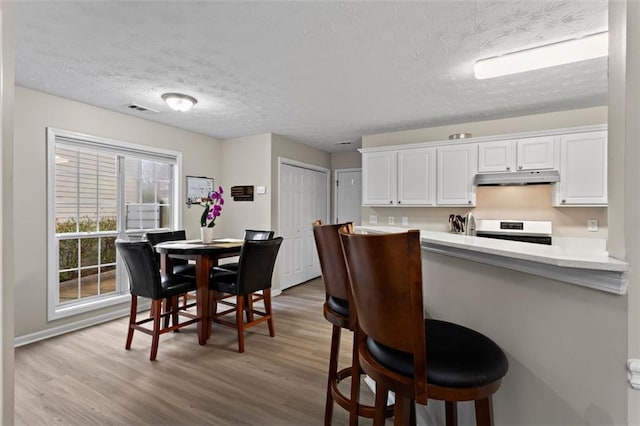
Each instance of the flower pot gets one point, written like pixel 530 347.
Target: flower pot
pixel 206 234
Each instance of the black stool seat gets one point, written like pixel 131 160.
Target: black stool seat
pixel 457 356
pixel 339 306
pixel 173 285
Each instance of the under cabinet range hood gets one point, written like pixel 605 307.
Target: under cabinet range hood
pixel 529 177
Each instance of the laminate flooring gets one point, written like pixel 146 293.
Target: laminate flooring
pixel 88 378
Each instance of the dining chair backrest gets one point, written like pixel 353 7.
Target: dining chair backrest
pixel 253 234
pixel 142 267
pixel 385 275
pixel 164 236
pixel 332 264
pixel 257 260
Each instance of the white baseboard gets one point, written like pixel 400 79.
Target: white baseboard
pixel 73 326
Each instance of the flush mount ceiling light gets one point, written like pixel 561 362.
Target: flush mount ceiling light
pixel 564 52
pixel 179 101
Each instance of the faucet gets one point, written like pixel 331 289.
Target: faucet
pixel 470 224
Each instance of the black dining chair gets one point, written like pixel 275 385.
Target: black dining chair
pixel 249 235
pixel 145 280
pixel 257 260
pixel 417 359
pixel 180 266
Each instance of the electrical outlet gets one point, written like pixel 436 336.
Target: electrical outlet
pixel 373 219
pixel 592 225
pixel 392 221
pixel 405 221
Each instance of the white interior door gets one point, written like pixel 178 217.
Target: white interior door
pixel 303 199
pixel 348 196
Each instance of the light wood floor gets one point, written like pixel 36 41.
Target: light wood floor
pixel 88 378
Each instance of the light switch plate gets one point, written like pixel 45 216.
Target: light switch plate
pixel 592 225
pixel 392 220
pixel 405 221
pixel 261 190
pixel 373 219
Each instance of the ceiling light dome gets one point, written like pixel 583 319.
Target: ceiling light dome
pixel 179 101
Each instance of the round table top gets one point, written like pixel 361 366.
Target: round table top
pixel 195 247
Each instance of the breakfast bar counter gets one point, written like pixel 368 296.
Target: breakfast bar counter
pixel 573 260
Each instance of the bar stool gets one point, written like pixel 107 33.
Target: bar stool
pixel 416 358
pixel 336 311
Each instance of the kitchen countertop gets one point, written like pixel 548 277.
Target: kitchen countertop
pixel 564 261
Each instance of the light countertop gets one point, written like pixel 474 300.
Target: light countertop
pixel 580 261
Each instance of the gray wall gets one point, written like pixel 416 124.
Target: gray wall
pixel 34 112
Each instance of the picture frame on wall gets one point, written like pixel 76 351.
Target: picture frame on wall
pixel 198 187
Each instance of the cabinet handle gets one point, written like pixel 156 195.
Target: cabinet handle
pixel 564 201
pixel 390 202
pixel 399 202
pixel 519 167
pixel 469 202
pixel 508 168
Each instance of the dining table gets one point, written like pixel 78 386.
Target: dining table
pixel 206 256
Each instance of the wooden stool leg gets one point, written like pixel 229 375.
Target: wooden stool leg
pixel 451 409
pixel 156 311
pixel 174 312
pixel 333 373
pixel 380 404
pixel 132 320
pixel 249 307
pixel 355 382
pixel 484 412
pixel 402 411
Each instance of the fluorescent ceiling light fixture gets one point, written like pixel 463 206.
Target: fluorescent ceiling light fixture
pixel 564 52
pixel 179 102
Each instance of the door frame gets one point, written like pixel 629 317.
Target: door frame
pixel 335 189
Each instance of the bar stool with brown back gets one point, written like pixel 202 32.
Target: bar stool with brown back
pixel 145 280
pixel 402 352
pixel 257 260
pixel 336 311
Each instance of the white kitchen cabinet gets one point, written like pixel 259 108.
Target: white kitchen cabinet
pixel 379 178
pixel 404 177
pixel 583 170
pixel 417 177
pixel 516 155
pixel 457 167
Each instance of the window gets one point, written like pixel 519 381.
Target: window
pixel 101 190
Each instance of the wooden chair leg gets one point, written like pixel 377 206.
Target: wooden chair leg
pixel 380 404
pixel 166 308
pixel 239 322
pixel 355 380
pixel 174 312
pixel 249 307
pixel 484 412
pixel 451 410
pixel 156 311
pixel 132 320
pixel 266 293
pixel 333 373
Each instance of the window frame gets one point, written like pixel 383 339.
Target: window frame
pixel 54 309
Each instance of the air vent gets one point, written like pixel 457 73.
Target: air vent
pixel 343 143
pixel 140 108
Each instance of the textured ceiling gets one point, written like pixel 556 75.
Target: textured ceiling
pixel 315 72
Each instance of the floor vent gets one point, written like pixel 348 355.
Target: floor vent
pixel 140 108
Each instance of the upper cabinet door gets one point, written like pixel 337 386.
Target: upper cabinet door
pixel 583 170
pixel 417 177
pixel 379 178
pixel 457 167
pixel 499 156
pixel 536 153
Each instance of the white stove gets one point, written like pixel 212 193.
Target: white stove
pixel 529 231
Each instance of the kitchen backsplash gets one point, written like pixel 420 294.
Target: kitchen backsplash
pixel 532 202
